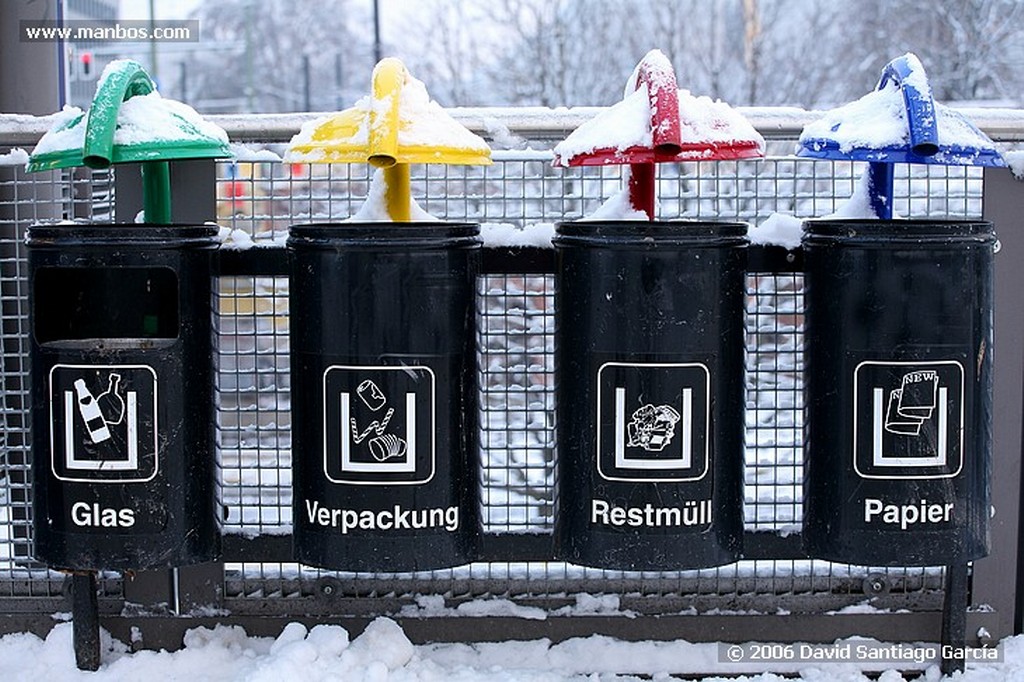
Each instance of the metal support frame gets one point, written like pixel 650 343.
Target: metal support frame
pixel 993 581
pixel 85 612
pixel 155 601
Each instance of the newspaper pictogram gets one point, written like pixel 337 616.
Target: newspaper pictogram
pixel 914 402
pixel 908 419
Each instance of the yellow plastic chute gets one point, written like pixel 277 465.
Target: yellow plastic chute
pixel 385 117
pixel 395 126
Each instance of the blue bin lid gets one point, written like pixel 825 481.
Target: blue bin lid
pixel 899 122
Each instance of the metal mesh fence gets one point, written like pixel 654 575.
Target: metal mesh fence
pixel 26 199
pixel 259 198
pixel 516 356
pixel 253 417
pixel 516 361
pixel 774 471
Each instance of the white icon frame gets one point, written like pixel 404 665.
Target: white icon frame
pixel 653 464
pixel 71 461
pixel 369 468
pixel 940 458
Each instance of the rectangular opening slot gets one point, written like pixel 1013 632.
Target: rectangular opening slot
pixel 71 304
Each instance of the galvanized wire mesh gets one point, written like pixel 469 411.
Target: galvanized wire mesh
pixel 774 467
pixel 516 361
pixel 516 346
pixel 26 199
pixel 254 418
pixel 260 198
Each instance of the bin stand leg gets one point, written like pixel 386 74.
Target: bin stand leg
pixel 954 615
pixel 85 620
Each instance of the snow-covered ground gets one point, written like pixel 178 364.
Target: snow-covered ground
pixel 384 653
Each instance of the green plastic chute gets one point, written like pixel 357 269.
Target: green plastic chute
pixel 129 122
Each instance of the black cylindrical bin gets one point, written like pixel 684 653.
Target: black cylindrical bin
pixel 122 395
pixel 899 390
pixel 650 377
pixel 384 434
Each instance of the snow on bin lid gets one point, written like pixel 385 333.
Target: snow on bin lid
pixel 657 123
pixel 397 123
pixel 899 122
pixel 147 127
pixel 886 125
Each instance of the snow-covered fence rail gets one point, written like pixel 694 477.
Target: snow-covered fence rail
pixel 517 587
pixel 1003 125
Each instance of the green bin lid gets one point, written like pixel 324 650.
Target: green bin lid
pixel 128 122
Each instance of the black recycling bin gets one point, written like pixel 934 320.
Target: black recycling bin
pixel 122 395
pixel 384 433
pixel 650 377
pixel 899 390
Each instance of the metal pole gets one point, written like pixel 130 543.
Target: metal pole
pixel 85 625
pixel 153 70
pixel 183 79
pixel 306 94
pixel 954 616
pixel 377 55
pixel 991 580
pixel 29 70
pixel 30 83
pixel 248 59
pixel 64 87
pixel 339 81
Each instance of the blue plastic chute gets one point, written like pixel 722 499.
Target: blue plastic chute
pixel 899 122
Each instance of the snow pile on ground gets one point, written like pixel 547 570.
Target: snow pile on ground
pixel 384 653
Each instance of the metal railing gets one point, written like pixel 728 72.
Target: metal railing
pixel 776 591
